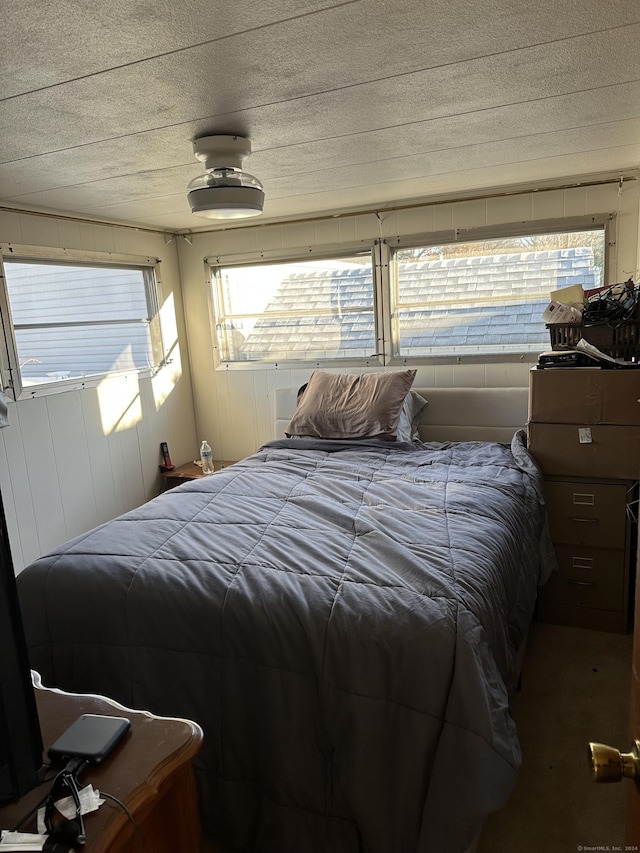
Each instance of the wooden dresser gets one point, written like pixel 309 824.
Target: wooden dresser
pixel 150 772
pixel 584 432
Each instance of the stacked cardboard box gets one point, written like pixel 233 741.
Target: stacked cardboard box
pixel 585 422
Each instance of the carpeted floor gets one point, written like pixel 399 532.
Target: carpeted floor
pixel 575 689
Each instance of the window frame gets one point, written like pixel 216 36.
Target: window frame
pixel 212 264
pixel 606 221
pixel 382 250
pixel 10 374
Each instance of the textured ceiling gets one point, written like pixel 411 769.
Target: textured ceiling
pixel 348 103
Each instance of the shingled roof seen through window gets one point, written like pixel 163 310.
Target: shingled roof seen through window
pixel 482 304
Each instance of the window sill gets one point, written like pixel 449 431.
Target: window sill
pixel 29 392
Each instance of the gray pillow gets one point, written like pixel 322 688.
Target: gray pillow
pixel 346 406
pixel 407 425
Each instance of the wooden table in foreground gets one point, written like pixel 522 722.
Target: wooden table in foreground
pixel 150 771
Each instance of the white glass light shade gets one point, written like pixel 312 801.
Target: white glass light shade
pixel 226 193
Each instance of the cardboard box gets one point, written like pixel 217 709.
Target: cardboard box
pixel 584 395
pixel 576 450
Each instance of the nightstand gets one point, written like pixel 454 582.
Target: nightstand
pixel 150 772
pixel 188 471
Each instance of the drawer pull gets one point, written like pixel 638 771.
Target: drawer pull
pixel 582 562
pixel 574 582
pixel 584 520
pixel 584 499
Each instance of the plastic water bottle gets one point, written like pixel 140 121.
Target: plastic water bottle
pixel 206 455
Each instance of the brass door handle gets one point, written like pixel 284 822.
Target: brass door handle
pixel 610 765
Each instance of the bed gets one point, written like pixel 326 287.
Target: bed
pixel 344 619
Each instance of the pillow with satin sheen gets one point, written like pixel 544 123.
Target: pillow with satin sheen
pixel 407 425
pixel 345 406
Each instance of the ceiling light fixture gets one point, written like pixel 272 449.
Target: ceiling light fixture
pixel 225 191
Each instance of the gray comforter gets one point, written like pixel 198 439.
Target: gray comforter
pixel 341 619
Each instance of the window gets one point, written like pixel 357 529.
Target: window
pixel 74 320
pixel 477 295
pixel 486 297
pixel 296 311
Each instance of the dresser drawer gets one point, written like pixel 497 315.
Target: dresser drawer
pixel 587 577
pixel 591 514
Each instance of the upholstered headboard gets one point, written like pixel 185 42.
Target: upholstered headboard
pixel 452 414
